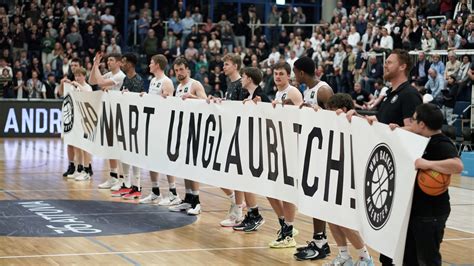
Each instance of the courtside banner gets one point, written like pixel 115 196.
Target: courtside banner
pixel 352 174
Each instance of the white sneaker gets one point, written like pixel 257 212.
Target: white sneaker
pixel 117 186
pixel 73 175
pixel 180 207
pixel 109 183
pixel 365 262
pixel 234 217
pixel 194 211
pixel 171 200
pixel 151 198
pixel 83 176
pixel 341 261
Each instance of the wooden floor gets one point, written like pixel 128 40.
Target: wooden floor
pixel 31 169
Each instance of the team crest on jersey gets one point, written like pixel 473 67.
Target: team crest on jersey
pixel 312 94
pixel 379 186
pixel 68 114
pixel 186 89
pixel 394 99
pixel 158 84
pixel 283 97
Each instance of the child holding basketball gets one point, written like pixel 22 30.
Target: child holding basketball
pixel 430 207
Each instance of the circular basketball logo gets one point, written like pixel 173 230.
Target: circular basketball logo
pixel 379 186
pixel 68 114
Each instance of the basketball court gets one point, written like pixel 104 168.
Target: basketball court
pixel 131 234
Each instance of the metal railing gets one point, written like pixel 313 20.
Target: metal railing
pixel 443 54
pixel 252 27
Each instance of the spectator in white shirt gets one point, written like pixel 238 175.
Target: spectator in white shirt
pixel 108 20
pixel 354 37
pixel 113 47
pixel 386 42
pixel 274 56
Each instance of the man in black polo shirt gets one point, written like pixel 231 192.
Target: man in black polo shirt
pixel 401 101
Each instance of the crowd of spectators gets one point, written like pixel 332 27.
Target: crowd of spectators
pixel 38 42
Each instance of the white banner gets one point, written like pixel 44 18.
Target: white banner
pixel 351 174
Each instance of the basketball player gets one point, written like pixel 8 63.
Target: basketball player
pixel 112 80
pixel 317 94
pixel 133 82
pixel 188 88
pixel 285 211
pixel 83 158
pixel 251 77
pixel 429 213
pixel 163 86
pixel 75 63
pixel 400 103
pixel 232 64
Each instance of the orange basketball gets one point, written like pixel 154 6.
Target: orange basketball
pixel 432 182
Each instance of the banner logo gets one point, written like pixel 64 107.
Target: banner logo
pixel 68 114
pixel 379 187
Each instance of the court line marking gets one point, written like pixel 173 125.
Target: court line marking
pixel 461 230
pixel 132 252
pixel 96 241
pixel 159 251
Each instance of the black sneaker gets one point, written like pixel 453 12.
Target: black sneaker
pixel 243 224
pixel 70 170
pixel 319 236
pixel 254 223
pixel 312 252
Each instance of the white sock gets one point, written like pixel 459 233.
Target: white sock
pixel 172 185
pixel 137 182
pixel 189 191
pixel 232 198
pixel 195 192
pixel 344 252
pixel 364 253
pixel 288 223
pixel 154 184
pixel 125 180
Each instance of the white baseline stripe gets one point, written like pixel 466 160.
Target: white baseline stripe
pixel 129 252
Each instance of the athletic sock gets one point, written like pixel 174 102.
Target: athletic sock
pixel 113 173
pixel 87 169
pixel 172 185
pixel 254 210
pixel 364 253
pixel 320 239
pixel 281 220
pixel 344 252
pixel 232 198
pixel 173 191
pixel 155 184
pixel 156 190
pixel 189 191
pixel 195 192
